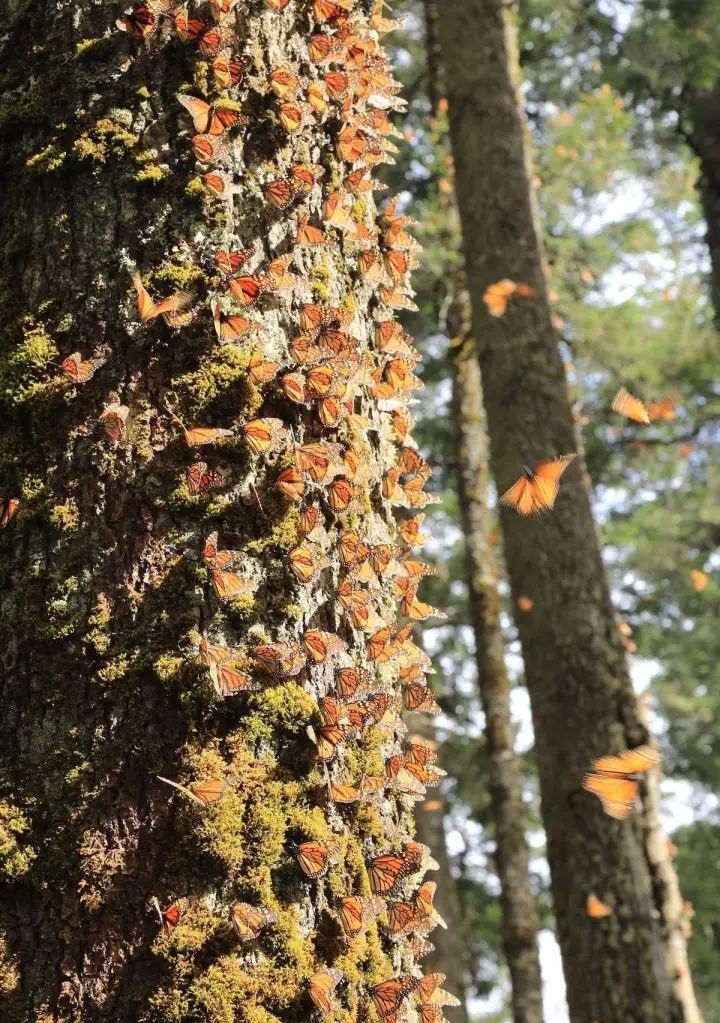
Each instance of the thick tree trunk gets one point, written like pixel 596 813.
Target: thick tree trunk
pixel 105 569
pixel 703 136
pixel 519 909
pixel 582 700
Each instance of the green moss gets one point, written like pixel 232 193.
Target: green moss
pixel 177 275
pixel 63 609
pixel 143 92
pixel 195 187
pixel 9 973
pixel 15 859
pixel 222 374
pixel 106 137
pixel 288 707
pixel 168 666
pixel 66 516
pixel 20 375
pixel 85 45
pixel 152 172
pixel 294 610
pixel 282 537
pixel 49 159
pixel 200 77
pixel 98 621
pixel 243 610
pixel 115 668
pixel 33 488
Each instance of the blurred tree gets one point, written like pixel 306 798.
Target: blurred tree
pixel 575 670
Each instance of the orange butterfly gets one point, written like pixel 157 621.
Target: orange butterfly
pixel 8 508
pixel 537 489
pixel 308 235
pixel 356 913
pixel 207 119
pixel 169 308
pixel 316 857
pixel 199 478
pixel 248 921
pixel 429 991
pixel 113 420
pixel 277 5
pixel 221 8
pixel 321 985
pixel 291 483
pixel 307 561
pixel 281 660
pixel 388 996
pixel 613 779
pixel 141 19
pixel 261 372
pixel 419 698
pixel 596 909
pixel 79 371
pixel 665 410
pixel 214 654
pixel 350 682
pixel 229 328
pixel 228 585
pixel 627 405
pixel 387 872
pixel 171 917
pixel 321 645
pixel 263 435
pixel 203 792
pixel 228 680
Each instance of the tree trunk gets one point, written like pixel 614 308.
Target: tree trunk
pixel 106 567
pixel 519 909
pixel 582 700
pixel 703 136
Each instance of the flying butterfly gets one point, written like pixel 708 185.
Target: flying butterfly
pixel 628 405
pixel 595 908
pixel 171 309
pixel 614 779
pixel 537 488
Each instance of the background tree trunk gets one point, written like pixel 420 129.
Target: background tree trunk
pixel 582 700
pixel 105 599
pixel 520 918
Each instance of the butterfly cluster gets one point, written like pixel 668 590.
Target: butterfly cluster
pixel 331 438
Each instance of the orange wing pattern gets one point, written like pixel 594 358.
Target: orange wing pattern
pixel 613 779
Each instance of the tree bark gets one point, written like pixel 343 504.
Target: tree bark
pixel 519 908
pixel 582 700
pixel 105 568
pixel 703 136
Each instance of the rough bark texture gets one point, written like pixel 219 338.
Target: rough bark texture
pixel 104 594
pixel 519 908
pixel 582 700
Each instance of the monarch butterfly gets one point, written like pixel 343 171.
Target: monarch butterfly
pixel 277 5
pixel 386 872
pixel 262 435
pixel 189 29
pixel 388 996
pixel 525 604
pixel 327 738
pixel 419 698
pixel 284 83
pixel 327 10
pixel 171 917
pixel 423 903
pixel 248 921
pixel 322 984
pixel 280 193
pixel 212 654
pixel 228 680
pixel 232 262
pixel 113 420
pixel 291 483
pixel 203 792
pixel 595 908
pixel 665 410
pixel 341 793
pixel 321 645
pixel 421 751
pixel 141 19
pixel 281 661
pixel 228 585
pixel 699 579
pixel 215 558
pixel 169 308
pixel 355 913
pixel 351 682
pixel 352 550
pixel 316 857
pixel 306 562
pixel 199 435
pixel 308 235
pixel 311 519
pixel 8 508
pixel 221 8
pixel 229 328
pixel 79 371
pixel 216 184
pixel 401 917
pixel 261 372
pixel 429 991
pixel 207 119
pixel 317 460
pixel 628 405
pixel 199 478
pixel 537 489
pixel 410 531
pixel 613 779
